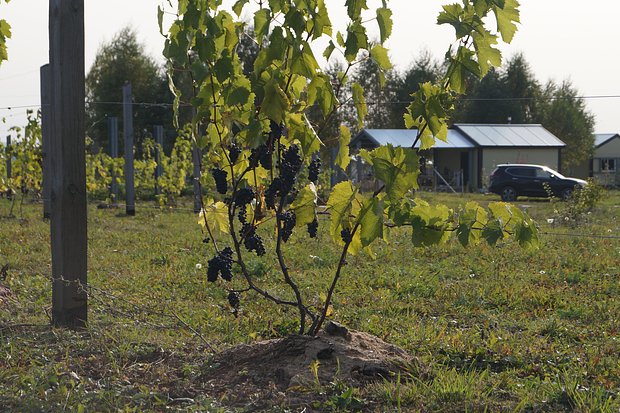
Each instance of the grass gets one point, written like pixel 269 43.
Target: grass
pixel 498 329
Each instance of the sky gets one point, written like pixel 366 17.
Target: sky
pixel 561 39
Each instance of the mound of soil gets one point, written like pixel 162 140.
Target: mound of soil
pixel 278 372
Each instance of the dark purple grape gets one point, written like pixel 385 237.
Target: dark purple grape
pixel 345 234
pixel 220 265
pixel 288 220
pixel 314 169
pixel 221 184
pixel 312 228
pixel 233 152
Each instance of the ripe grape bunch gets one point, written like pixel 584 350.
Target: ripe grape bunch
pixel 251 240
pixel 288 219
pixel 233 301
pixel 220 265
pixel 345 234
pixel 243 197
pixel 312 228
pixel 314 169
pixel 233 152
pixel 221 184
pixel 290 166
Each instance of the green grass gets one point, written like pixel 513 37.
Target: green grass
pixel 497 329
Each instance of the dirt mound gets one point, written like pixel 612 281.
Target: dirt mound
pixel 278 372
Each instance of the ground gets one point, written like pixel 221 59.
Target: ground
pixel 495 329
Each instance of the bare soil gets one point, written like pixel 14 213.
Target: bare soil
pixel 278 372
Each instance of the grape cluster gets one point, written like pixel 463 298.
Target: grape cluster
pixel 233 300
pixel 288 219
pixel 263 155
pixel 251 240
pixel 221 265
pixel 313 170
pixel 233 152
pixel 221 184
pixel 282 185
pixel 345 234
pixel 277 130
pixel 312 228
pixel 243 197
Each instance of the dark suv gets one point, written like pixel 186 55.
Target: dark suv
pixel 513 180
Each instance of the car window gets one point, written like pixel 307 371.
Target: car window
pixel 541 173
pixel 521 171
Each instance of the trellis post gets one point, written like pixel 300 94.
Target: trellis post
pixel 130 195
pixel 67 155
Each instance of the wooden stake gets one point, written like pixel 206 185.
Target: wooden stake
pixel 67 155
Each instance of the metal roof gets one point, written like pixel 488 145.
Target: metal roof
pixel 602 138
pixel 508 135
pixel 406 137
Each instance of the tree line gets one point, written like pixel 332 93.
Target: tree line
pixel 509 94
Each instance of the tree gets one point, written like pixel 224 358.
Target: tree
pixel 380 89
pixel 564 114
pixel 508 95
pixel 119 61
pixel 262 146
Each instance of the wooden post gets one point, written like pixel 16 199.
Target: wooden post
pixel 68 191
pixel 113 138
pixel 9 166
pixel 46 140
pixel 130 195
pixel 158 132
pixel 196 154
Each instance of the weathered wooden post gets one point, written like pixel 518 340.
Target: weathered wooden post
pixel 67 154
pixel 196 155
pixel 158 132
pixel 46 140
pixel 130 195
pixel 9 165
pixel 113 138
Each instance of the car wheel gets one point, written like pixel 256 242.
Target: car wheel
pixel 566 193
pixel 508 194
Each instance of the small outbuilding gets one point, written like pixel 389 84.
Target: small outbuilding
pixel 472 151
pixel 606 159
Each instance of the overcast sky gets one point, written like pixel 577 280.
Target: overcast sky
pixel 561 39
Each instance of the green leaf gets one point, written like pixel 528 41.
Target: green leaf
pixel 320 89
pixel 507 16
pixel 354 8
pixel 430 224
pixel 359 101
pixel 471 220
pixel 300 129
pixel 322 23
pixel 379 55
pixel 343 159
pixel 384 19
pixel 329 50
pixel 216 214
pixel 262 19
pixel 463 64
pixel 371 221
pixel 304 63
pixel 276 103
pixel 398 168
pixel 356 40
pixel 305 205
pixel 487 54
pixel 223 67
pixel 160 19
pixel 238 6
pixel 340 205
pixel 493 232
